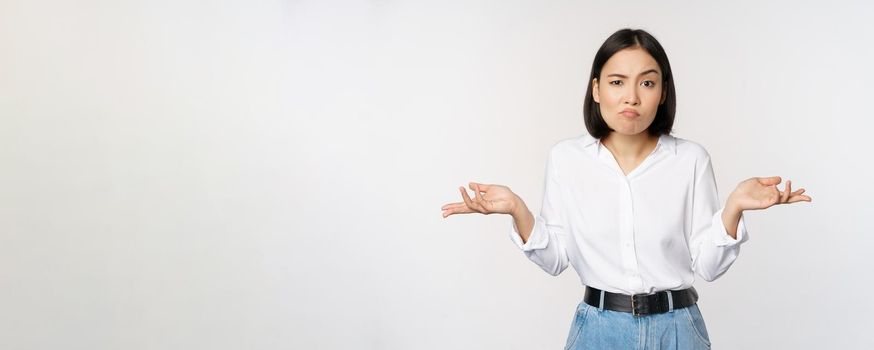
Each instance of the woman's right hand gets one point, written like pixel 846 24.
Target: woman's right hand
pixel 488 199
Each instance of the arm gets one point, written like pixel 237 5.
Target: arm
pixel 717 232
pixel 715 248
pixel 542 237
pixel 731 218
pixel 523 219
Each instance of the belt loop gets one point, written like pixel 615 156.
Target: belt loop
pixel 601 302
pixel 670 302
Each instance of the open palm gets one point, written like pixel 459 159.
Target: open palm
pixel 761 193
pixel 488 199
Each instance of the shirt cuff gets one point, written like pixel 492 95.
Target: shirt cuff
pixel 537 240
pixel 722 238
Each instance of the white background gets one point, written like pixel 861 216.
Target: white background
pixel 269 175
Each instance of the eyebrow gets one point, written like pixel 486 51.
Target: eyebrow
pixel 625 77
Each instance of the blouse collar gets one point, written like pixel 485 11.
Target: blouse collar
pixel 666 142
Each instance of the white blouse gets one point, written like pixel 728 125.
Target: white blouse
pixel 642 233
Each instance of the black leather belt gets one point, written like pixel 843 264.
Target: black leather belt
pixel 642 304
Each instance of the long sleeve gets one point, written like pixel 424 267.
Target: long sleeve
pixel 547 242
pixel 712 248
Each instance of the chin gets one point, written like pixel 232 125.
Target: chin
pixel 628 132
pixel 629 129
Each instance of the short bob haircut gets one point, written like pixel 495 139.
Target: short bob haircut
pixel 623 39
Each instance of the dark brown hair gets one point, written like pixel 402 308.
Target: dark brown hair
pixel 623 39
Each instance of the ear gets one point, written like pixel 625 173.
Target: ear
pixel 596 95
pixel 664 96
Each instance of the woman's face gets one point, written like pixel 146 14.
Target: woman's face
pixel 629 91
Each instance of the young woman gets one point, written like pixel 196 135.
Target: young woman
pixel 633 209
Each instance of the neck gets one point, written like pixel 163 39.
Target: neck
pixel 630 146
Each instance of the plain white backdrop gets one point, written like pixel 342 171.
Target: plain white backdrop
pixel 269 174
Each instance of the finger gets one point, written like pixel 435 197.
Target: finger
pixel 479 189
pixel 448 212
pixel 483 190
pixel 774 195
pixel 768 181
pixel 785 197
pixel 800 199
pixel 465 197
pixel 472 186
pixel 797 192
pixel 477 197
pixel 449 205
pixel 482 187
pixel 470 203
pixel 476 194
pixel 481 200
pixel 453 206
pixel 461 209
pixel 457 210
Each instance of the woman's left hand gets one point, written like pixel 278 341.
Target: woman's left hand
pixel 761 193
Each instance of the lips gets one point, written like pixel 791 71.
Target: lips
pixel 628 112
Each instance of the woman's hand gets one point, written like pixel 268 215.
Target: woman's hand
pixel 488 199
pixel 761 193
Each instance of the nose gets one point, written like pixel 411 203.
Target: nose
pixel 632 98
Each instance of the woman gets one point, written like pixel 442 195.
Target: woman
pixel 633 209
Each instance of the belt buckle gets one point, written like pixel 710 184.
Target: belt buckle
pixel 634 306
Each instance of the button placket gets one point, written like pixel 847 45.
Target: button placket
pixel 626 228
pixel 626 217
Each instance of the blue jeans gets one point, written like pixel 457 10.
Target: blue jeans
pixel 679 329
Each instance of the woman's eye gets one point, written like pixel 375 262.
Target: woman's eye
pixel 616 82
pixel 650 83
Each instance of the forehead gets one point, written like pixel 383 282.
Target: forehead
pixel 630 61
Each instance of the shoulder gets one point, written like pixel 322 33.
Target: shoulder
pixel 570 147
pixel 696 156
pixel 566 144
pixel 573 144
pixel 691 149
